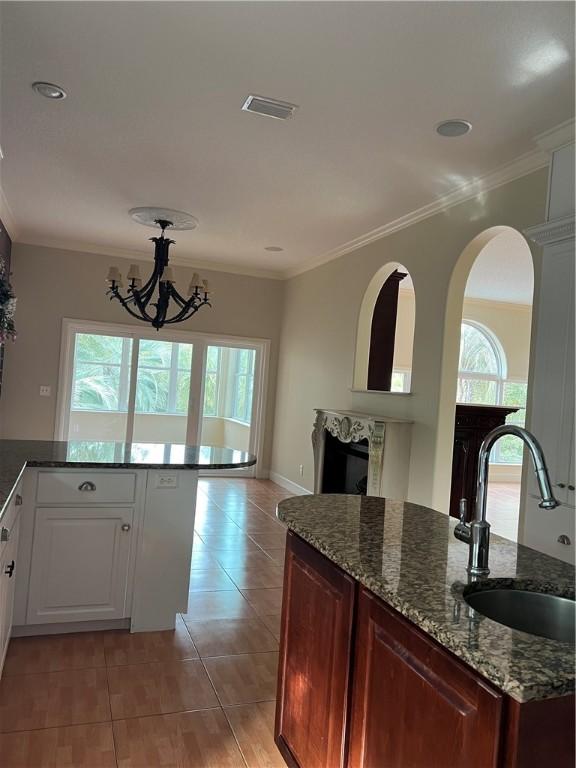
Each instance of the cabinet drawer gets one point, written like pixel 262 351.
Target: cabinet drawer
pixel 86 487
pixel 10 519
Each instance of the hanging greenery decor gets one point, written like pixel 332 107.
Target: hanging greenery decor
pixel 7 307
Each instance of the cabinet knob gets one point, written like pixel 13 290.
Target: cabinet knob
pixel 10 569
pixel 87 485
pixel 18 500
pixel 4 534
pixel 561 485
pixel 571 487
pixel 563 539
pixel 125 527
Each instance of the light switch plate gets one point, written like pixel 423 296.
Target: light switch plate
pixel 167 480
pixel 45 390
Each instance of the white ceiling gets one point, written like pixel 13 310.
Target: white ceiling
pixel 153 116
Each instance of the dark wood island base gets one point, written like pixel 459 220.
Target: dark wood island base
pixel 360 686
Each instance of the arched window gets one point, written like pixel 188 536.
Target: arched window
pixel 482 380
pixel 482 367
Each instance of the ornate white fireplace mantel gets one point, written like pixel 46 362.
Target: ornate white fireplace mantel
pixel 388 448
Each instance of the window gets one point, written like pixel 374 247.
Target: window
pixel 243 384
pixel 101 372
pixel 482 380
pixel 229 383
pixel 400 381
pixel 163 384
pixel 212 380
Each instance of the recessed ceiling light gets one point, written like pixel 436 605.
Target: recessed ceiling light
pixel 149 217
pixel 452 128
pixel 273 248
pixel 261 105
pixel 49 90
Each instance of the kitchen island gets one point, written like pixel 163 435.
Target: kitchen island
pixel 384 663
pixel 98 535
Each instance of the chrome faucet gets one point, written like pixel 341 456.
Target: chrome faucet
pixel 477 533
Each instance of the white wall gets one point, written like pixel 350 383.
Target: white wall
pixel 319 334
pixel 52 284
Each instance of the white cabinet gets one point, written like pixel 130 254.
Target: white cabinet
pixel 80 564
pixel 552 398
pixel 8 570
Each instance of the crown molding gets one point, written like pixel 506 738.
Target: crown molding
pixel 556 137
pixel 554 231
pixel 515 169
pixel 7 217
pixel 134 255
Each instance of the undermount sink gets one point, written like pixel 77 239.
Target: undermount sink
pixel 537 613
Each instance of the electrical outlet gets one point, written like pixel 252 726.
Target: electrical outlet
pixel 167 480
pixel 45 390
pixel 301 470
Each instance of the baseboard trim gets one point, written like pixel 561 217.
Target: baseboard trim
pixel 30 630
pixel 297 490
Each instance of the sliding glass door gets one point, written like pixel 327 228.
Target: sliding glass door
pixel 118 384
pixel 228 396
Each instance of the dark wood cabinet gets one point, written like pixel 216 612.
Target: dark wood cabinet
pixel 360 686
pixel 415 705
pixel 315 651
pixel 473 422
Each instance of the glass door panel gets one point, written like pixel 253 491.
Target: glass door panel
pixel 228 396
pixel 162 392
pixel 100 387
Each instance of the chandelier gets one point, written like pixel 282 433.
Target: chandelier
pixel 138 298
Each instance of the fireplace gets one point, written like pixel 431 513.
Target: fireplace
pixel 345 466
pixel 360 453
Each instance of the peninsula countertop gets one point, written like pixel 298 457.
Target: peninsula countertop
pixel 16 455
pixel 407 555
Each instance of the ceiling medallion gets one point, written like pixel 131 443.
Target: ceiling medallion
pixel 138 298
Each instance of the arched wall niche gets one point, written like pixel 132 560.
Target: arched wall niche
pixel 451 349
pixel 370 330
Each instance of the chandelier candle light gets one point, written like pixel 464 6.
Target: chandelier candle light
pixel 138 297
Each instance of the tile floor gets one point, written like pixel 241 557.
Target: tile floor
pixel 201 696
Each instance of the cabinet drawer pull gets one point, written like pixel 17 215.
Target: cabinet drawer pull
pixel 563 539
pixel 18 500
pixel 87 485
pixel 125 527
pixel 571 487
pixel 561 485
pixel 10 569
pixel 4 534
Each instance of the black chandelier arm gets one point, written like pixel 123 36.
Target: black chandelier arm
pixel 187 312
pixel 144 316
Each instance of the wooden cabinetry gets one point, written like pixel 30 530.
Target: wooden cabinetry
pixel 376 692
pixel 314 659
pixel 80 563
pixel 414 704
pixel 473 422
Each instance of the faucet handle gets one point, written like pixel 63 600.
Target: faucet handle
pixel 463 510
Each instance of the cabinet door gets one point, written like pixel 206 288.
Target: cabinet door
pixel 552 418
pixel 414 705
pixel 79 564
pixel 8 567
pixel 315 649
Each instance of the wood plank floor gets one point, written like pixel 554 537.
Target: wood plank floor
pixel 201 696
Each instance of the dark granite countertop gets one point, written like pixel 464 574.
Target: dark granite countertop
pixel 407 555
pixel 16 455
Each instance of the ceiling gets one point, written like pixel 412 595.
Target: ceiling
pixel 153 116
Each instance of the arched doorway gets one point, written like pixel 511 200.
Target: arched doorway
pixel 486 356
pixel 385 335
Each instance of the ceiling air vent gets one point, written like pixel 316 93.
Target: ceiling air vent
pixel 281 110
